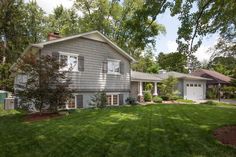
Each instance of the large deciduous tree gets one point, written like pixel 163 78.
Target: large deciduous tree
pixel 201 18
pixel 174 61
pixel 131 24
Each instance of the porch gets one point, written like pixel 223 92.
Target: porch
pixel 138 82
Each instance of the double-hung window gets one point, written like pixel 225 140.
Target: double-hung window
pixel 113 66
pixel 70 62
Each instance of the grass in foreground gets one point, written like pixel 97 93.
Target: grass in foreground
pixel 154 130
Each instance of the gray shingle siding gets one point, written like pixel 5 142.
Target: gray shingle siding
pixel 94 53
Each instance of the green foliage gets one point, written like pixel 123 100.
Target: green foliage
pixel 146 63
pixel 130 24
pixel 6 82
pixel 195 17
pixel 224 65
pixel 147 96
pixel 157 99
pixel 229 92
pixel 131 101
pixel 168 88
pixel 46 85
pixel 99 100
pixel 173 62
pixel 148 87
pixel 212 93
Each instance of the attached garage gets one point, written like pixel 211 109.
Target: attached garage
pixel 195 90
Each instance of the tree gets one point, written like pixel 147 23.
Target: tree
pixel 46 85
pixel 168 88
pixel 130 24
pixel 224 65
pixel 64 21
pixel 146 63
pixel 200 18
pixel 20 23
pixel 174 61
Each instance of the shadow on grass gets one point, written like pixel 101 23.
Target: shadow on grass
pixel 153 130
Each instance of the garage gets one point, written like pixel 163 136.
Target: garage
pixel 194 90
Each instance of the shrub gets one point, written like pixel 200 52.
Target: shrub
pixel 209 103
pixel 148 86
pixel 175 97
pixel 157 99
pixel 99 100
pixel 147 96
pixel 131 101
pixel 165 98
pixel 212 93
pixel 168 88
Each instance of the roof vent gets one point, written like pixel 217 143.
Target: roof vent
pixel 53 36
pixel 162 71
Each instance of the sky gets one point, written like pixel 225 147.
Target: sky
pixel 164 43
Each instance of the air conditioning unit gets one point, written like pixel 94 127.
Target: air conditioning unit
pixel 10 103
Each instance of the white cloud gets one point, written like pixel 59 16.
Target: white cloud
pixel 171 46
pixel 49 5
pixel 203 53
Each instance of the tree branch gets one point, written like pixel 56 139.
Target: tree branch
pixel 198 22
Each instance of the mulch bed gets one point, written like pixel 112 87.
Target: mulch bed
pixel 37 116
pixel 226 135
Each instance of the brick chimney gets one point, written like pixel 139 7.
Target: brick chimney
pixel 53 36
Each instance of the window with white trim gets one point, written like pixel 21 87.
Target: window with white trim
pixel 70 60
pixel 112 99
pixel 113 66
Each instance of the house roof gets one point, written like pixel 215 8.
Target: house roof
pixel 214 74
pixel 140 76
pixel 180 76
pixel 86 35
pixel 103 37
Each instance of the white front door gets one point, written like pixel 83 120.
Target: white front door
pixel 194 90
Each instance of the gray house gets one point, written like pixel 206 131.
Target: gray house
pixel 100 65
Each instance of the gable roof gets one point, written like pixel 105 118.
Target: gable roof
pixel 87 35
pixel 180 76
pixel 214 74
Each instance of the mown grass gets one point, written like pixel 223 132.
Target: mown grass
pixel 135 131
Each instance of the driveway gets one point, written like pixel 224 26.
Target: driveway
pixel 230 101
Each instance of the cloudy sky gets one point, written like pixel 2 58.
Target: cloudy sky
pixel 165 43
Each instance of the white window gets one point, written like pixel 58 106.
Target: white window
pixel 70 60
pixel 113 66
pixel 112 99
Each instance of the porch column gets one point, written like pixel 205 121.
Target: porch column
pixel 140 88
pixel 155 88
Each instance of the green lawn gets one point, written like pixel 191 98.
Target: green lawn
pixel 155 130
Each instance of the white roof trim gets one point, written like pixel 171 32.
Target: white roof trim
pixel 41 45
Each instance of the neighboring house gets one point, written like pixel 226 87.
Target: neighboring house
pixel 100 65
pixel 216 78
pixel 190 87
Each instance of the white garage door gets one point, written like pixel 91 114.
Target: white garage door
pixel 194 90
